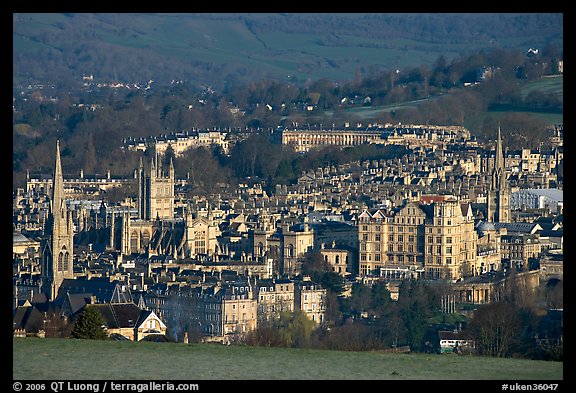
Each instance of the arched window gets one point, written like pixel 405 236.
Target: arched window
pixel 290 250
pixel 66 261
pixel 60 262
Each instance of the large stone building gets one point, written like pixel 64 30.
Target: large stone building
pixel 435 241
pixel 181 142
pixel 302 140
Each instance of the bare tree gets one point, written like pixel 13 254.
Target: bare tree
pixel 493 328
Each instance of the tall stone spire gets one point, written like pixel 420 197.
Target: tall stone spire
pixel 58 242
pixel 499 171
pixel 498 204
pixel 499 159
pixel 57 184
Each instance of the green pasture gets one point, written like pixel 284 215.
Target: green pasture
pixel 552 84
pixel 69 359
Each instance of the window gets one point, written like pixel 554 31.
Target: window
pixel 60 262
pixel 66 261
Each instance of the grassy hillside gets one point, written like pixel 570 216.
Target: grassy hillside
pixel 283 46
pixel 120 360
pixel 552 85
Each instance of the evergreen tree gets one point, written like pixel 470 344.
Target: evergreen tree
pixel 89 325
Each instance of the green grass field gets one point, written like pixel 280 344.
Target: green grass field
pixel 68 359
pixel 552 84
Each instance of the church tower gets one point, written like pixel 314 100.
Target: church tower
pixel 57 244
pixel 498 192
pixel 155 191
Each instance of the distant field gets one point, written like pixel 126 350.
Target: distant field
pixel 477 121
pixel 552 84
pixel 54 359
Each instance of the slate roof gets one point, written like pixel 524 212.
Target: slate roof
pixel 102 288
pixel 119 315
pixel 518 227
pixel 28 318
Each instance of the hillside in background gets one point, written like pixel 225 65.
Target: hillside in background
pixel 225 49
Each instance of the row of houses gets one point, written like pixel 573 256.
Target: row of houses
pixel 206 306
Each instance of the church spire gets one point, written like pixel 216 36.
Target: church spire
pixel 499 193
pixel 58 244
pixel 499 158
pixel 57 183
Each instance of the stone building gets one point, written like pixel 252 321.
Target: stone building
pixel 518 249
pixel 310 297
pixel 391 241
pixel 340 259
pixel 155 191
pixel 274 296
pixel 435 241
